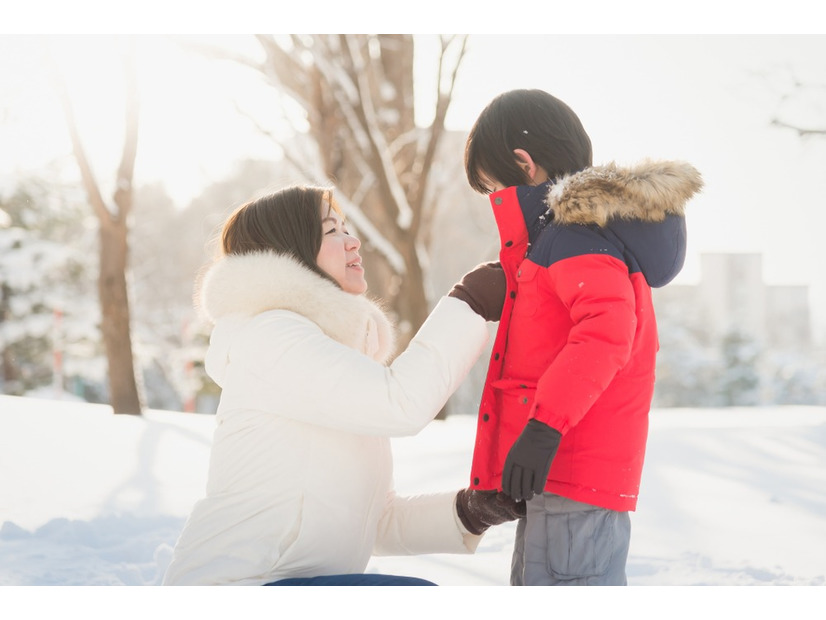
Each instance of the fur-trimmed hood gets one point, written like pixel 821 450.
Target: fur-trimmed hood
pixel 239 287
pixel 648 191
pixel 639 209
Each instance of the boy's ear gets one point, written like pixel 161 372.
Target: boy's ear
pixel 526 162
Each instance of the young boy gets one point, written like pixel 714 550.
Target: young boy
pixel 563 420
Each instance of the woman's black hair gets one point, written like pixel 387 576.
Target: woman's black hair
pixel 532 120
pixel 286 222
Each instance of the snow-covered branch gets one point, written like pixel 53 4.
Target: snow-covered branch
pixel 379 145
pixel 801 131
pixel 353 212
pixel 126 169
pixel 90 184
pixel 444 97
pixel 382 149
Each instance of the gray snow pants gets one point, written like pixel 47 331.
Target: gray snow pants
pixel 561 542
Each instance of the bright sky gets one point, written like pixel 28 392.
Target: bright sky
pixel 705 99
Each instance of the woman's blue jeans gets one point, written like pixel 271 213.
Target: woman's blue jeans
pixel 357 579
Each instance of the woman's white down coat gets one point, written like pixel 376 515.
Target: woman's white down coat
pixel 300 479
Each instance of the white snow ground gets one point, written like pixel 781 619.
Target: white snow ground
pixel 730 497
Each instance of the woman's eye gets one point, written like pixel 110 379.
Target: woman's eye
pixel 330 232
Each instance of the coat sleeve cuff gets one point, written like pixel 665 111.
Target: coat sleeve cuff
pixel 423 524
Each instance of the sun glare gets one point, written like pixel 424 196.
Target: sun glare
pixel 190 127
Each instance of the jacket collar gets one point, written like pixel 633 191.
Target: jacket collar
pixel 242 286
pixel 535 210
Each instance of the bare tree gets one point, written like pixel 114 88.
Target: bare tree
pixel 357 92
pixel 802 108
pixel 114 249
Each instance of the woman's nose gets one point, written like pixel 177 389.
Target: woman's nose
pixel 353 243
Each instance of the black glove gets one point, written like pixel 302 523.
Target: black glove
pixel 478 510
pixel 528 462
pixel 483 289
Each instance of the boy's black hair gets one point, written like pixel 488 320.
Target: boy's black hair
pixel 532 120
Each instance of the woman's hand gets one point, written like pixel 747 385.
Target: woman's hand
pixel 478 510
pixel 483 289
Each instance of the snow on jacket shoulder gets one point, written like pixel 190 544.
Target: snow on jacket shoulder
pixel 300 480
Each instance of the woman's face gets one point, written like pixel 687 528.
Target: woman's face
pixel 339 256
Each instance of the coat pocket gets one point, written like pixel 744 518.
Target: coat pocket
pixel 527 293
pixel 515 398
pixel 580 544
pixel 513 404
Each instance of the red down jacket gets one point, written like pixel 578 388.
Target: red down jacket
pixel 577 341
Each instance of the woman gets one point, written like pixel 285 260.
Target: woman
pixel 300 487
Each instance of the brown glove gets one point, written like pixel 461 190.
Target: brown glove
pixel 478 510
pixel 483 289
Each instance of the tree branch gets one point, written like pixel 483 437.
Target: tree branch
pixel 801 131
pixel 378 145
pixel 284 69
pixel 126 169
pixel 220 53
pixel 353 211
pixel 443 101
pixel 86 173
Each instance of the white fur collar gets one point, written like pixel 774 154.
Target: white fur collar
pixel 248 284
